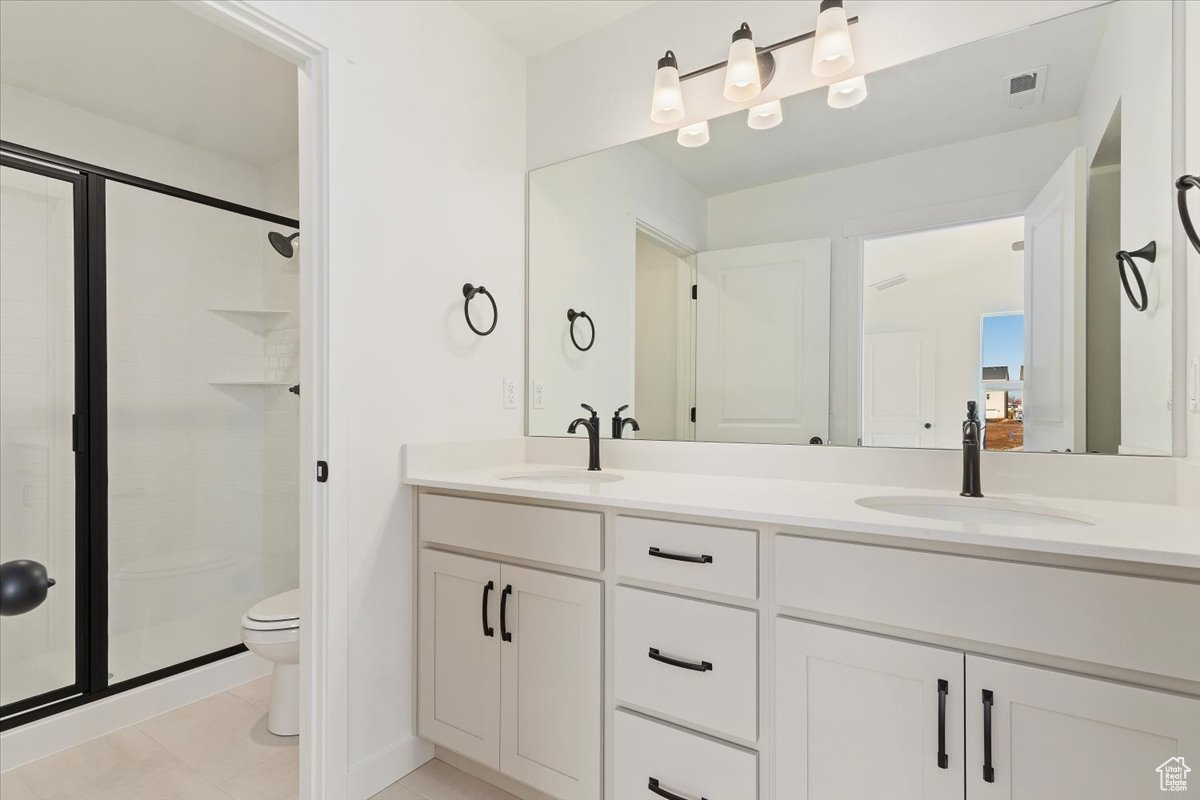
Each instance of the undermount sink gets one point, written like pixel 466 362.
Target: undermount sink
pixel 978 510
pixel 563 476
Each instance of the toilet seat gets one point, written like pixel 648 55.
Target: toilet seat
pixel 277 613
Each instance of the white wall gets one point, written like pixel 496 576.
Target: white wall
pixel 427 193
pixel 955 277
pixel 583 218
pixel 907 192
pixel 1134 67
pixel 656 359
pixel 594 92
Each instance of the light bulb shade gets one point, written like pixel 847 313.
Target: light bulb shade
pixel 666 105
pixel 847 93
pixel 694 135
pixel 832 52
pixel 767 115
pixel 742 81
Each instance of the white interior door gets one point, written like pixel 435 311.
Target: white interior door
pixel 551 683
pixel 860 716
pixel 899 382
pixel 1055 305
pixel 1055 735
pixel 459 670
pixel 762 343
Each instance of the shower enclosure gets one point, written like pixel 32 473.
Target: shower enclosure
pixel 148 438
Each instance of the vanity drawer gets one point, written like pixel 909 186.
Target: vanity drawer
pixel 1142 624
pixel 550 535
pixel 703 557
pixel 683 763
pixel 714 682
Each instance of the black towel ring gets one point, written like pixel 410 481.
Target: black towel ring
pixel 469 292
pixel 573 315
pixel 1125 259
pixel 1182 185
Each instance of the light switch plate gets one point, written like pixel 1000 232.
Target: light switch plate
pixel 510 393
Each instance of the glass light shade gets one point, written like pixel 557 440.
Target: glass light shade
pixel 767 115
pixel 832 52
pixel 742 81
pixel 667 104
pixel 694 135
pixel 847 93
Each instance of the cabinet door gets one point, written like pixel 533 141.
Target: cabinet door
pixel 1055 735
pixel 459 661
pixel 859 716
pixel 551 688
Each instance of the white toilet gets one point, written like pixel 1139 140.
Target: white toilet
pixel 272 630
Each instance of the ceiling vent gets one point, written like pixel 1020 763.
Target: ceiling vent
pixel 888 283
pixel 1026 89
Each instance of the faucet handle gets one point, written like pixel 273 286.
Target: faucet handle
pixel 588 408
pixel 971 412
pixel 619 410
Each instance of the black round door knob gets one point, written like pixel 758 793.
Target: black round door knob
pixel 928 425
pixel 23 586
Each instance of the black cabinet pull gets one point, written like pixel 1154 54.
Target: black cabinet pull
pixel 989 773
pixel 655 787
pixel 943 760
pixel 703 666
pixel 505 634
pixel 487 629
pixel 704 558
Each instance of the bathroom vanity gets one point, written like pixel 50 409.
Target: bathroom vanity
pixel 637 634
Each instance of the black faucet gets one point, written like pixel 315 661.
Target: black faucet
pixel 972 438
pixel 619 424
pixel 593 431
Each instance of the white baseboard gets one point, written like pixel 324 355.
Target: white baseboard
pixel 47 736
pixel 384 767
pixel 487 775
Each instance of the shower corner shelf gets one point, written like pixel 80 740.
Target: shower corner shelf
pixel 255 312
pixel 249 383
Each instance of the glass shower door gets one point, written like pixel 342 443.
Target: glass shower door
pixel 40 246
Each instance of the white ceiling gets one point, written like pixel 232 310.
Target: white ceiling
pixel 156 66
pixel 535 26
pixel 952 96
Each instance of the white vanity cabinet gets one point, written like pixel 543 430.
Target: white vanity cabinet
pixel 858 715
pixel 1053 734
pixel 510 670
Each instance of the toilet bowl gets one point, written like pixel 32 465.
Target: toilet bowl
pixel 271 629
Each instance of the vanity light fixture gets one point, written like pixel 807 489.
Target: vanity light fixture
pixel 694 135
pixel 832 52
pixel 764 116
pixel 847 93
pixel 667 104
pixel 742 79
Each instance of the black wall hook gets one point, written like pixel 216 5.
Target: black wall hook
pixel 573 315
pixel 1125 260
pixel 469 292
pixel 1182 185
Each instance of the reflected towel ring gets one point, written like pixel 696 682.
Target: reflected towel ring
pixel 1125 259
pixel 469 292
pixel 1182 185
pixel 573 315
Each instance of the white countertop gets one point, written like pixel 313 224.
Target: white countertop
pixel 1135 532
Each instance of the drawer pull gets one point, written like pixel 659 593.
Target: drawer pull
pixel 488 630
pixel 700 559
pixel 505 633
pixel 655 787
pixel 989 773
pixel 943 760
pixel 703 666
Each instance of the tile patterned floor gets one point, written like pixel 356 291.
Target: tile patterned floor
pixel 216 749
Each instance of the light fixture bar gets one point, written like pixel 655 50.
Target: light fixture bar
pixel 768 49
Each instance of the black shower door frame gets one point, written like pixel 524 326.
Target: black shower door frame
pixel 90 428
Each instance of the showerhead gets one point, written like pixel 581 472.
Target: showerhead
pixel 283 244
